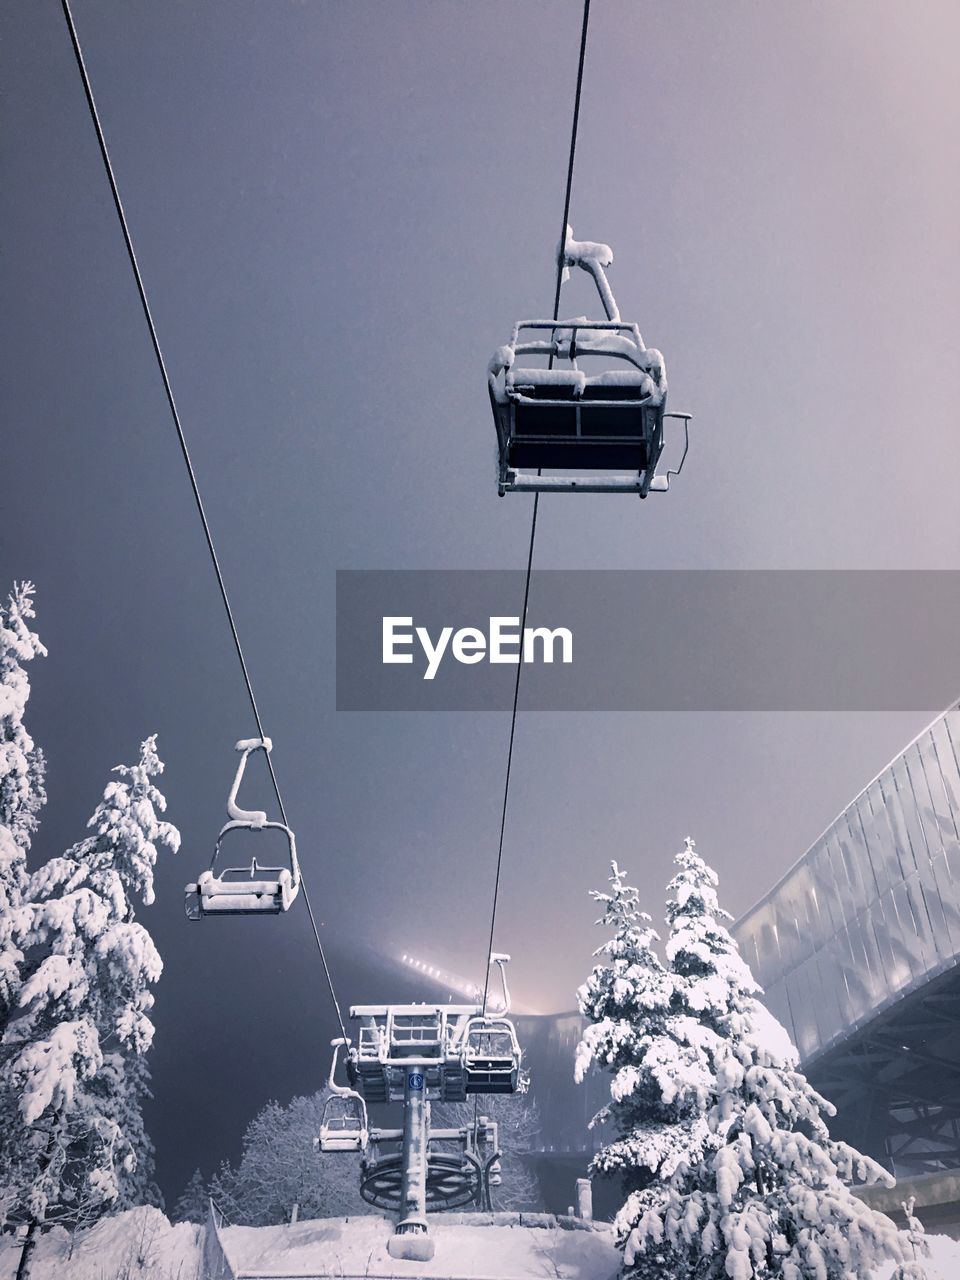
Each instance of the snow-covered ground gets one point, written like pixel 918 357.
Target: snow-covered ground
pixel 944 1262
pixel 358 1246
pixel 142 1245
pixel 131 1246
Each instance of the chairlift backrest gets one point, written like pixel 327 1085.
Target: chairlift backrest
pixel 491 1038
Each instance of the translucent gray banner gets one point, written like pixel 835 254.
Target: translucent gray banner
pixel 648 640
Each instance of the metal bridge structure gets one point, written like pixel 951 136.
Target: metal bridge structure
pixel 858 951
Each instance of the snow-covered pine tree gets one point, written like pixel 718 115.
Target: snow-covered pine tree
pixel 121 1088
pixel 21 777
pixel 192 1204
pixel 657 1053
pixel 82 1010
pixel 769 1196
pixel 221 1191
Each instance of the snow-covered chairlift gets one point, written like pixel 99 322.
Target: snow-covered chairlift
pixel 561 427
pixel 491 1055
pixel 343 1125
pixel 456 1049
pixel 252 889
pixel 490 1050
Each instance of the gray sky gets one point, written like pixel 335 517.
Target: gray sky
pixel 340 210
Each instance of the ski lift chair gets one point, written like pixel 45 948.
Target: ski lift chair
pixel 491 1055
pixel 252 889
pixel 490 1051
pixel 566 428
pixel 343 1125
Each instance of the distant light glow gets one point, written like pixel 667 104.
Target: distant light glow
pixel 454 982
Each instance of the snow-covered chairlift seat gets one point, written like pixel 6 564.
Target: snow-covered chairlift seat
pixel 570 423
pixel 343 1124
pixel 247 890
pixel 491 1055
pixel 252 889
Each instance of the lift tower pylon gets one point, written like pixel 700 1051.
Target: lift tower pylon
pixel 416 1054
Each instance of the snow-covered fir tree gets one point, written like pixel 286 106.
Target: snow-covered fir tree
pixel 193 1202
pixel 759 1190
pixel 21 777
pixel 642 1034
pixel 122 1087
pixel 68 1074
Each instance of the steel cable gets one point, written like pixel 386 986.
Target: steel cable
pixel 536 497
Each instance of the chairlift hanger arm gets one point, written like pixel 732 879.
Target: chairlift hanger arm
pixel 501 960
pixel 255 818
pixel 592 258
pixel 342 1042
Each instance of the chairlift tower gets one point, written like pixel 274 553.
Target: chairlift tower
pixel 416 1054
